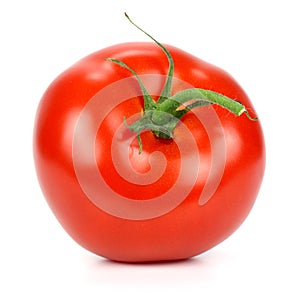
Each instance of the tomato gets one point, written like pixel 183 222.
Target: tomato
pixel 126 193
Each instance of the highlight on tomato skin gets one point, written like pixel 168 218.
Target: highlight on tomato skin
pixel 146 153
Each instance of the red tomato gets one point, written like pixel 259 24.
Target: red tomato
pixel 178 197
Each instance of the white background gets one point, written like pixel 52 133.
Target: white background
pixel 256 41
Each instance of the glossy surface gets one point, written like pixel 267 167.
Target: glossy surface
pixel 178 198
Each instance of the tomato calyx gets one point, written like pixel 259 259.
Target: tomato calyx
pixel 162 116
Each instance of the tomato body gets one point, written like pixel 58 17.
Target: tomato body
pixel 179 197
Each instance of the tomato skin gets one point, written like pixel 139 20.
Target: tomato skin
pixel 185 231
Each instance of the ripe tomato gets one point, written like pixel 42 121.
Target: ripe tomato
pixel 174 198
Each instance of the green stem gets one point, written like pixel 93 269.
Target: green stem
pixel 166 92
pixel 149 103
pixel 161 117
pixel 163 120
pixel 204 97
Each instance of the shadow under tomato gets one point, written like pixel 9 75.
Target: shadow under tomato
pixel 156 263
pixel 176 273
